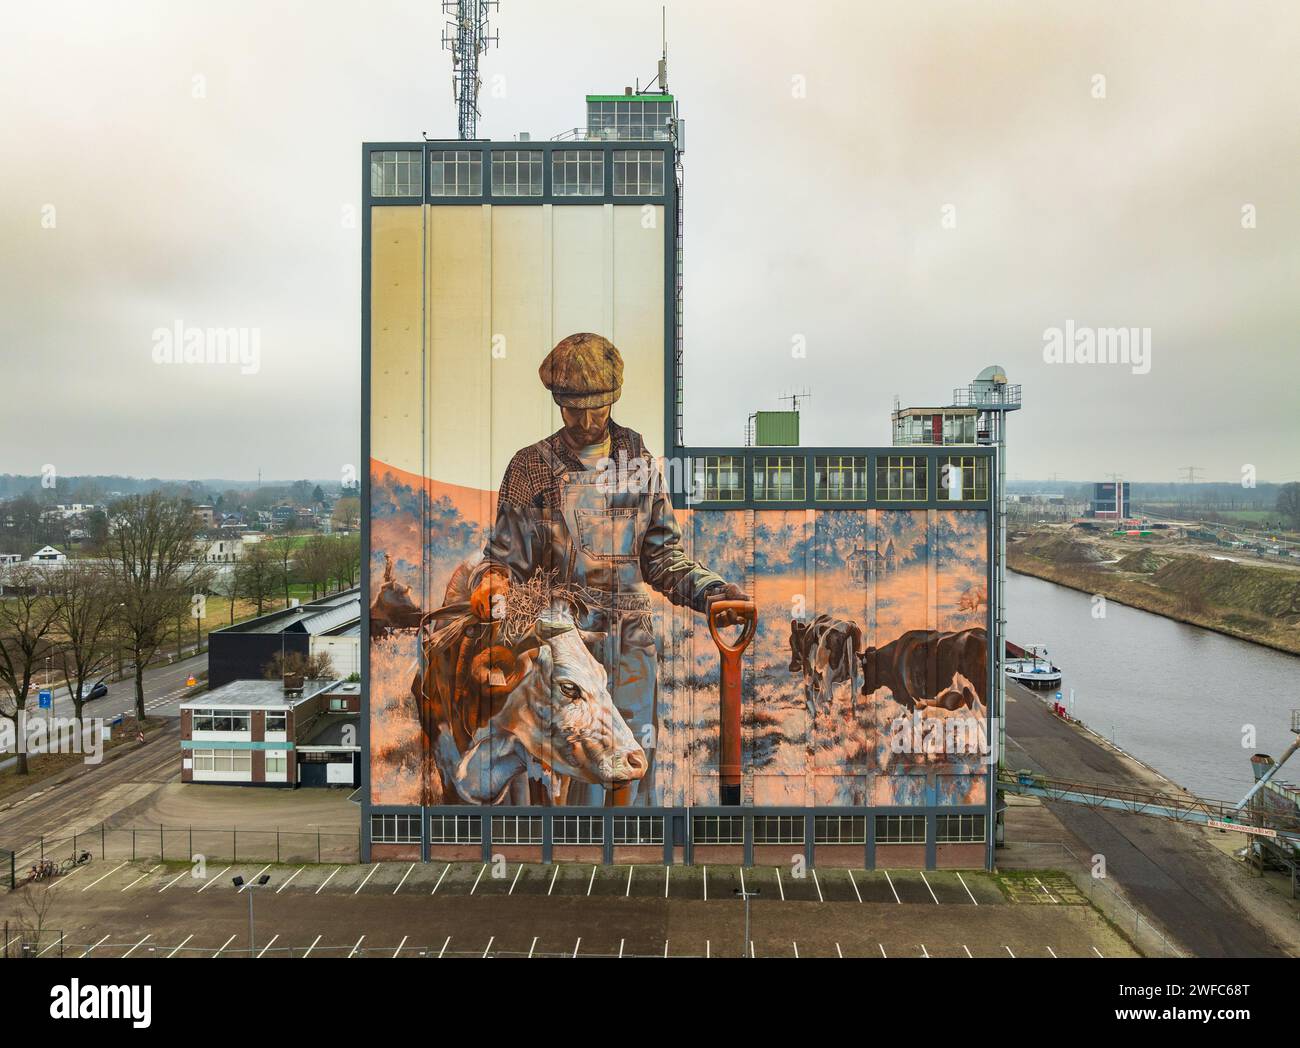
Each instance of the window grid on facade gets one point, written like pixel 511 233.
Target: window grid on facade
pixel 779 478
pixel 839 829
pixel 900 829
pixel 395 829
pixel 960 829
pixel 220 720
pixel 638 829
pixel 578 172
pixel 396 173
pixel 778 829
pixel 638 172
pixel 516 172
pixel 902 478
pixel 632 120
pixel 277 721
pixel 840 478
pixel 223 760
pixel 516 829
pixel 456 829
pixel 275 765
pixel 724 479
pixel 974 477
pixel 578 829
pixel 455 172
pixel 718 829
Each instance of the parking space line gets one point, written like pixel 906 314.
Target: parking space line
pixel 138 945
pixel 1098 952
pixel 223 946
pixel 890 881
pixel 532 947
pixel 268 945
pixel 779 886
pixel 752 952
pixel 1008 949
pixel 98 879
pixel 628 893
pixel 742 881
pixel 366 880
pixel 444 947
pixel 928 888
pixel 251 879
pixel 65 878
pixel 140 878
pixel 968 953
pixel 818 885
pixel 211 881
pixel 667 871
pixel 478 878
pixel 882 950
pixel 576 945
pixel 327 880
pixel 491 940
pixel 403 880
pixel 838 952
pixel 311 947
pixel 620 947
pixel 551 887
pixel 53 944
pixel 400 945
pixel 516 880
pixel 968 891
pixel 182 943
pixel 89 948
pixel 356 947
pixel 854 881
pixel 440 877
pixel 172 881
pixel 796 949
pixel 924 952
pixel 591 882
pixel 1050 950
pixel 291 877
pixel 665 947
pixel 706 884
pixel 708 950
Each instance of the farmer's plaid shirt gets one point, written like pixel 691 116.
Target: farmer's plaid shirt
pixel 529 482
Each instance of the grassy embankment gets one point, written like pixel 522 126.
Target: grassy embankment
pixel 1252 602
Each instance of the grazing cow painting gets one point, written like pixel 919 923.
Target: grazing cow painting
pixel 918 668
pixel 826 652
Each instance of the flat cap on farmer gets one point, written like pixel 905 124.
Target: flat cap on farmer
pixel 583 371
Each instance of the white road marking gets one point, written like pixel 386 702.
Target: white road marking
pixel 924 951
pixel 882 949
pixel 440 877
pixel 742 880
pixel 516 880
pixel 179 945
pixel 268 945
pixel 53 944
pixel 752 952
pixel 311 947
pixel 929 889
pixel 444 947
pixel 819 887
pixel 967 949
pixel 138 945
pixel 706 884
pixel 779 886
pixel 211 881
pixel 967 887
pixel 1008 949
pixel 172 881
pixel 1097 952
pixel 356 947
pixel 290 877
pixel 65 878
pixel 533 946
pixel 224 945
pixel 89 948
pixel 665 947
pixel 478 878
pixel 667 871
pixel 796 949
pixel 620 947
pixel 327 880
pixel 366 880
pixel 251 879
pixel 403 880
pixel 551 887
pixel 591 882
pixel 627 893
pixel 890 881
pixel 140 878
pixel 1049 950
pixel 576 945
pixel 838 952
pixel 98 879
pixel 854 881
pixel 707 949
pixel 491 940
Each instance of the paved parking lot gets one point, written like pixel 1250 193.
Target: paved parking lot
pixel 565 909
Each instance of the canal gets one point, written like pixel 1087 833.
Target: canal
pixel 1178 697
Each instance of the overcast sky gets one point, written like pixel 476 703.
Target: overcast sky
pixel 916 190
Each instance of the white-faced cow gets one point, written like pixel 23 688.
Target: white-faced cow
pixel 826 652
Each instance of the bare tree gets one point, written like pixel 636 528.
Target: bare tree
pixel 258 575
pixel 89 608
pixel 153 548
pixel 347 513
pixel 281 551
pixel 314 563
pixel 29 617
pixel 345 559
pixel 316 666
pixel 1288 503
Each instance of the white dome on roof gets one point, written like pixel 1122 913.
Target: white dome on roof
pixel 992 373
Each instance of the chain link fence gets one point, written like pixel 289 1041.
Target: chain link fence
pixel 1057 856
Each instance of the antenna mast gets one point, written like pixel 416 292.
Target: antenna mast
pixel 467 37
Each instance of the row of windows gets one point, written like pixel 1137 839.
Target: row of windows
pixel 633 119
pixel 649 829
pixel 516 172
pixel 221 720
pixel 223 760
pixel 842 478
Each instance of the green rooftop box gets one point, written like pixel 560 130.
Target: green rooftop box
pixel 776 428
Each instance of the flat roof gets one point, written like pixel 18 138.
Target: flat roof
pixel 258 694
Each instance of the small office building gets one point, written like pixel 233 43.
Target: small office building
pixel 273 733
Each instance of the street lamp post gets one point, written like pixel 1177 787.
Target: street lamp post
pixel 243 885
pixel 745 894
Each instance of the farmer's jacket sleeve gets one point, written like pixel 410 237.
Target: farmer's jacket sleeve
pixel 665 565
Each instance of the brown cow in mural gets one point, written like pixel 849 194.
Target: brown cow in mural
pixel 826 652
pixel 921 661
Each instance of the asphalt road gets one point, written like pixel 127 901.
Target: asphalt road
pixel 164 688
pixel 1164 867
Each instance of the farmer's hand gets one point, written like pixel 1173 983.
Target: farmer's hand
pixel 729 592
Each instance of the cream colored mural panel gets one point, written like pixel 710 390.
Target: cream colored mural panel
pixel 395 343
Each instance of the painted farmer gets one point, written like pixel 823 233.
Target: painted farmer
pixel 560 514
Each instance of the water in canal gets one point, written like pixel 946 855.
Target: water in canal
pixel 1175 696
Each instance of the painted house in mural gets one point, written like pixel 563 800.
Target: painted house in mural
pixel 547 554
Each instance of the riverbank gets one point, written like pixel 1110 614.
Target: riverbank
pixel 1248 602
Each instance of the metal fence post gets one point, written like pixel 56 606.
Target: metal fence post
pixel 162 845
pixel 234 843
pixel 277 847
pixel 42 846
pixel 103 842
pixel 318 846
pixel 74 847
pixel 191 844
pixel 133 844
